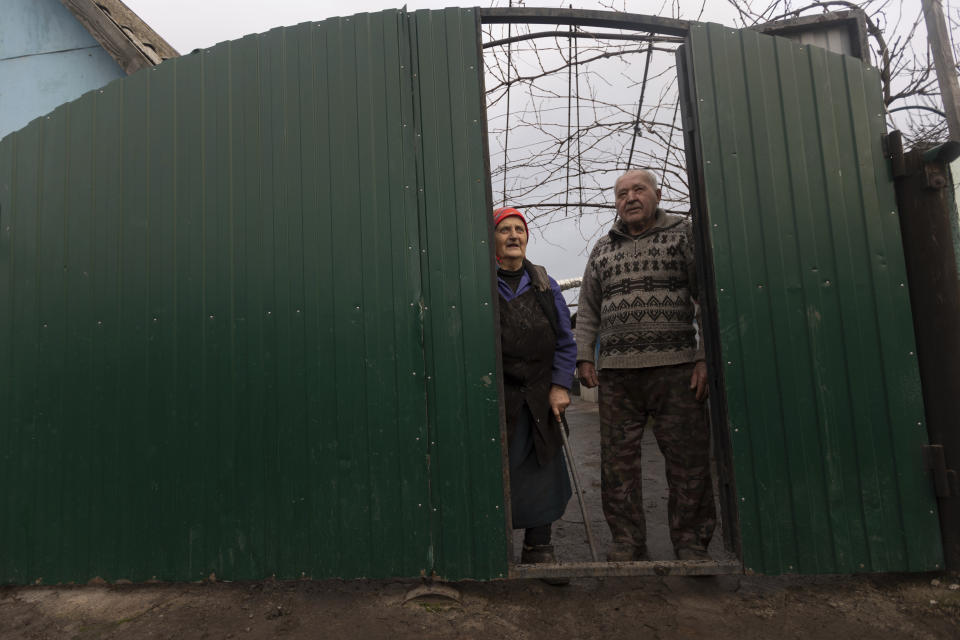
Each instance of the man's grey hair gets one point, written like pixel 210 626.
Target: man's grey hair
pixel 651 176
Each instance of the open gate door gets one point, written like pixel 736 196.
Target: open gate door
pixel 816 382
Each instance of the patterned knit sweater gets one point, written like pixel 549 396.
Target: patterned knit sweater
pixel 636 299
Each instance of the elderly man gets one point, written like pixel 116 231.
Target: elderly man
pixel 636 314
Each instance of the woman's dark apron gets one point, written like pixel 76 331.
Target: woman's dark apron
pixel 539 486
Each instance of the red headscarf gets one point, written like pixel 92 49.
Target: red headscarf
pixel 506 212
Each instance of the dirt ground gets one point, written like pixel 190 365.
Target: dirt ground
pixel 721 607
pixel 671 607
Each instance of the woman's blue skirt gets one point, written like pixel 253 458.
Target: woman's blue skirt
pixel 538 495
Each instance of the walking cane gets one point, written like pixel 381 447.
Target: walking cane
pixel 576 483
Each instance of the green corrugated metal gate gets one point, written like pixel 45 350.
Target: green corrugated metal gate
pixel 236 293
pixel 248 329
pixel 816 342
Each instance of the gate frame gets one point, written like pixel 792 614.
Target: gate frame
pixel 653 25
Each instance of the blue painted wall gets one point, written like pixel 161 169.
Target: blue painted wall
pixel 46 58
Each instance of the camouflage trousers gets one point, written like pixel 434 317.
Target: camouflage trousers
pixel 628 397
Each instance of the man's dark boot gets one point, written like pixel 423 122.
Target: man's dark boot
pixel 622 552
pixel 698 554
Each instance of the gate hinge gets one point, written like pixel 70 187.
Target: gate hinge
pixel 893 150
pixel 944 480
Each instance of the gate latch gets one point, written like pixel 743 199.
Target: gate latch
pixel 944 480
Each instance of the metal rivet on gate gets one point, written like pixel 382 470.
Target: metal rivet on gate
pixel 453 306
pixel 484 304
pixel 919 424
pixel 211 317
pixel 759 286
pixel 708 162
pixel 893 213
pixel 901 284
pixel 414 373
pixel 471 66
pixel 423 250
pixel 99 323
pixel 721 289
pixel 826 283
pixel 736 430
pixel 861 565
pixel 270 313
pixel 425 307
pixel 493 439
pixel 358 307
pixel 715 225
pixel 931 513
pixel 419 505
pixel 743 499
pixel 729 363
pixel 156 319
pixel 483 242
pixel 429 378
pixel 44 325
pixel 910 354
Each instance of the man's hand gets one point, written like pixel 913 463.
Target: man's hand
pixel 587 374
pixel 559 400
pixel 698 381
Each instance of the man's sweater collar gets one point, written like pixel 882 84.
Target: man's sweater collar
pixel 661 220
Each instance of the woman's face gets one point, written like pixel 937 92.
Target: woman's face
pixel 511 240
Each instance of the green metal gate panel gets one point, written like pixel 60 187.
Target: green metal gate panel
pixel 227 287
pixel 822 388
pixel 465 450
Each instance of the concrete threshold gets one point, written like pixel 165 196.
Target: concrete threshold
pixel 647 568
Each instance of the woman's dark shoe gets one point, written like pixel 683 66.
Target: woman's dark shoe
pixel 538 554
pixel 542 554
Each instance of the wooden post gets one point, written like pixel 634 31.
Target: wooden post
pixel 943 61
pixel 923 200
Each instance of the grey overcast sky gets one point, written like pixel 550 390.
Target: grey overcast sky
pixel 193 24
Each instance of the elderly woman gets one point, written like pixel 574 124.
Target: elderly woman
pixel 539 356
